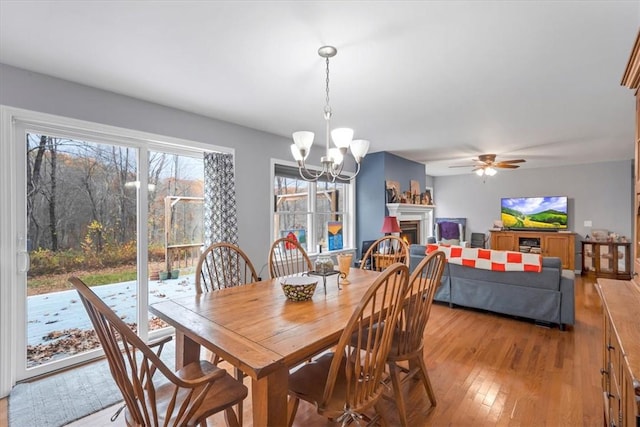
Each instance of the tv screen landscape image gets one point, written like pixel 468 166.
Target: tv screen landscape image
pixel 534 213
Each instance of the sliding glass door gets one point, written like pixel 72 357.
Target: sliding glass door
pixel 123 215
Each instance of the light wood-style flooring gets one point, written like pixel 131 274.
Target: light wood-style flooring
pixel 489 370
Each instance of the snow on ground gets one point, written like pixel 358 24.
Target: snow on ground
pixel 58 311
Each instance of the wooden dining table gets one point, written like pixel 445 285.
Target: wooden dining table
pixel 258 330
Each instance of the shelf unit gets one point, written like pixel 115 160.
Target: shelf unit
pixel 606 259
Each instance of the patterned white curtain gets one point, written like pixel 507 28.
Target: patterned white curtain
pixel 220 212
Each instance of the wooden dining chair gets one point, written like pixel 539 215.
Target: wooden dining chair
pixel 348 381
pixel 223 265
pixel 183 398
pixel 384 252
pixel 408 339
pixel 287 257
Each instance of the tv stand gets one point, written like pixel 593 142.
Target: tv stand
pixel 561 245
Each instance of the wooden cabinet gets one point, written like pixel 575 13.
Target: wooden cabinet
pixel 631 79
pixel 621 305
pixel 606 259
pixel 561 245
pixel 620 352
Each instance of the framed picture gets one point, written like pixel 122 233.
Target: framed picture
pixel 427 197
pixel 334 238
pixel 297 234
pixel 393 192
pixel 415 187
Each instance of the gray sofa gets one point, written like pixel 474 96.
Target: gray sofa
pixel 546 297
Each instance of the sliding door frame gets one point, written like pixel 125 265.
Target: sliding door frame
pixel 13 251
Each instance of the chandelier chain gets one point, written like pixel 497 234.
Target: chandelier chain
pixel 327 107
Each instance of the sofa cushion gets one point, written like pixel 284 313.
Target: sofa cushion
pixel 548 278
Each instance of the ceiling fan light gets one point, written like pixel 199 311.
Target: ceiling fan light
pixel 490 171
pixel 479 172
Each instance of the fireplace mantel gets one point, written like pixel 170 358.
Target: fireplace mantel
pixel 410 212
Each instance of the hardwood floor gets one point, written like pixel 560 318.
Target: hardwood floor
pixel 490 370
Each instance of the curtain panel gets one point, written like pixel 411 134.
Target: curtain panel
pixel 220 211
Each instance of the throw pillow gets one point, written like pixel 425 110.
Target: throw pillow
pixel 449 230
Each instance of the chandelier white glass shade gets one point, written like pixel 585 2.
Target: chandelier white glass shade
pixel 333 160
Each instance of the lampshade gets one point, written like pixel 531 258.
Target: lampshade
pixel 390 225
pixel 342 137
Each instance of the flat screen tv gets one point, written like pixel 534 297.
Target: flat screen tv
pixel 534 213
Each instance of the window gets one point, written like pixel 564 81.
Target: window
pixel 315 213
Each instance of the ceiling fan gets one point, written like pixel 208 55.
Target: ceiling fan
pixel 486 164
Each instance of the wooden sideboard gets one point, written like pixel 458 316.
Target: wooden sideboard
pixel 621 352
pixel 631 79
pixel 561 245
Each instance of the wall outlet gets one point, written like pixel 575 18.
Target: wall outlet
pixel 588 223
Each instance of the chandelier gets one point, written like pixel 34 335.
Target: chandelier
pixel 332 161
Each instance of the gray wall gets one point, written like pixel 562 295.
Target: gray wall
pixel 253 149
pixel 600 192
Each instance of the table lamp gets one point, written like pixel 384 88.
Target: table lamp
pixel 390 225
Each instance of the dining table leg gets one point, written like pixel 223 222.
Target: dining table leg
pixel 269 398
pixel 187 350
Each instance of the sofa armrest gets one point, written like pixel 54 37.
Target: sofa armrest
pixel 567 302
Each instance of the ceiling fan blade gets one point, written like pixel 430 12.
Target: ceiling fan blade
pixel 513 161
pixel 505 166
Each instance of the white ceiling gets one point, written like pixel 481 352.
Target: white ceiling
pixel 433 81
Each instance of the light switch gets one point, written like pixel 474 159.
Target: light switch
pixel 588 223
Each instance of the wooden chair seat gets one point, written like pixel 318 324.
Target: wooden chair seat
pixel 310 381
pixel 221 397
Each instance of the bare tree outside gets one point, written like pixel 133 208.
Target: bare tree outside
pixel 82 220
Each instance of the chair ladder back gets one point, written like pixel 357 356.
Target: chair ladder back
pixel 363 346
pixel 287 257
pixel 384 252
pixel 223 265
pixel 423 284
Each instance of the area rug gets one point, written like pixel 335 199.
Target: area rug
pixel 65 397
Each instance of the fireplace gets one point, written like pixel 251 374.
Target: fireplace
pixel 416 221
pixel 409 232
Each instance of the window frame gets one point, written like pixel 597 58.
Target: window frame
pixel 348 214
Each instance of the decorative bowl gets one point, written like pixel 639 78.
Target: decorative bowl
pixel 299 288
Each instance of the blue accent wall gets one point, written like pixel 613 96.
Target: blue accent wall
pixel 376 169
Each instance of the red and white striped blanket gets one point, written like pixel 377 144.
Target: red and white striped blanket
pixel 489 259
